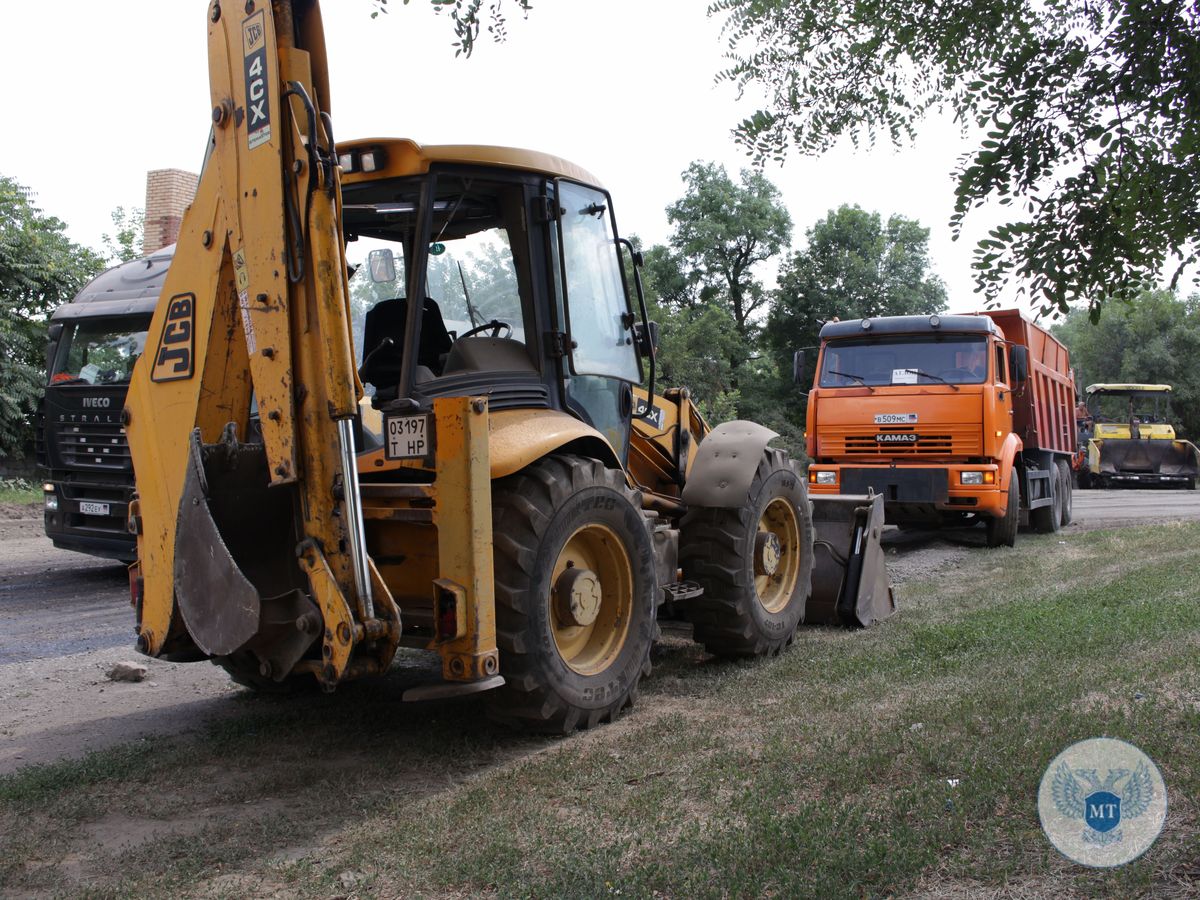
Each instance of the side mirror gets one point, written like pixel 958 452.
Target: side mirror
pixel 382 266
pixel 646 338
pixel 798 367
pixel 1019 363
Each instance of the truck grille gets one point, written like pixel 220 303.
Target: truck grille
pixel 936 440
pixel 101 446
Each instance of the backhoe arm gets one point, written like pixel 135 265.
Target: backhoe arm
pixel 252 548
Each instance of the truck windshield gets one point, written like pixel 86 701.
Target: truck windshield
pixel 904 359
pixel 99 351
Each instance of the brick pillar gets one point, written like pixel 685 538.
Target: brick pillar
pixel 168 193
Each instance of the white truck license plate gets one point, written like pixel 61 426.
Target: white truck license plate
pixel 93 509
pixel 895 418
pixel 407 437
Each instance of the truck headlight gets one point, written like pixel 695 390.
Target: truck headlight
pixel 827 478
pixel 970 478
pixel 51 499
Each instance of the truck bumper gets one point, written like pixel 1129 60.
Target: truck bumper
pixel 921 488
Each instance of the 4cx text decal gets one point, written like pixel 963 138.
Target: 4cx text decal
pixel 258 96
pixel 177 343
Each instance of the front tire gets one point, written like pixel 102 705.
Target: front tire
pixel 754 563
pixel 575 594
pixel 1004 529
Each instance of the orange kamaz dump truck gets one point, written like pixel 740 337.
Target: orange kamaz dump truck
pixel 954 419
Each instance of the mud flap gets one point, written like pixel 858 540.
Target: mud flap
pixel 228 535
pixel 850 584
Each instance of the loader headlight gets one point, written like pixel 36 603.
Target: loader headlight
pixel 970 477
pixel 826 478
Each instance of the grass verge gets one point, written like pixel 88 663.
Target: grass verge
pixel 19 491
pixel 903 760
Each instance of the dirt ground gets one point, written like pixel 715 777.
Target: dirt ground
pixel 65 621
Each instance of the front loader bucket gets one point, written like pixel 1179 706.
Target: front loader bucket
pixel 1155 457
pixel 850 584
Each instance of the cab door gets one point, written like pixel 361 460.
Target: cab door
pixel 594 312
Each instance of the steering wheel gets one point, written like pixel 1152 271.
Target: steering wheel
pixel 495 325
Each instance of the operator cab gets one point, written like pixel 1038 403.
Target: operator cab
pixel 523 297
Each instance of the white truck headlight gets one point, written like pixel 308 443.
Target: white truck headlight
pixel 827 478
pixel 51 501
pixel 970 478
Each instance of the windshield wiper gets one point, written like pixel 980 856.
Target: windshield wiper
pixel 921 374
pixel 857 378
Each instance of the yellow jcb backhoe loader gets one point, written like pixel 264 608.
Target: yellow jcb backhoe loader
pixel 506 493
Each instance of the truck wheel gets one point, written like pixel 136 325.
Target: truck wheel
pixel 575 594
pixel 1048 519
pixel 754 563
pixel 1004 529
pixel 1065 488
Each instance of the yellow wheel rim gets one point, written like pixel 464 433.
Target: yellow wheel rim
pixel 777 555
pixel 591 599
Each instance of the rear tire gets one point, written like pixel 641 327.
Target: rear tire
pixel 1048 519
pixel 1004 529
pixel 243 668
pixel 1065 486
pixel 572 647
pixel 754 586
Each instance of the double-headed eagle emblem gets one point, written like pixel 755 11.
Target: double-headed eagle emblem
pixel 1098 803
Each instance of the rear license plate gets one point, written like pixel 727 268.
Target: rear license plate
pixel 93 509
pixel 407 437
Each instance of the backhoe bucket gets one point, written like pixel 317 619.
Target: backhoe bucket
pixel 234 585
pixel 850 584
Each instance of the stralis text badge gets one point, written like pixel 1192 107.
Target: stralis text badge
pixel 408 437
pixel 895 418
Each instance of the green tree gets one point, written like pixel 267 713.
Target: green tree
pixel 125 243
pixel 1153 340
pixel 1091 110
pixel 723 231
pixel 40 269
pixel 853 266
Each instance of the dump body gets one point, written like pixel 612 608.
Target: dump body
pixel 94 342
pixel 1129 441
pixel 937 414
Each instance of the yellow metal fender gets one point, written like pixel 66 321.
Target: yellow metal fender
pixel 518 437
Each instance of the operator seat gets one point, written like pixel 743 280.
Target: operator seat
pixel 386 319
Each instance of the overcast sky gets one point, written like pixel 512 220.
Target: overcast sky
pixel 99 93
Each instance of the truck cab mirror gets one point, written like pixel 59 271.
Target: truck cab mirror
pixel 1019 363
pixel 56 330
pixel 798 367
pixel 382 266
pixel 646 338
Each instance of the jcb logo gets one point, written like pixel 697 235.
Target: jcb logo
pixel 177 343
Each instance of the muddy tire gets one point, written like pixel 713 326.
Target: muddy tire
pixel 754 563
pixel 576 595
pixel 1003 531
pixel 1065 487
pixel 242 668
pixel 1048 519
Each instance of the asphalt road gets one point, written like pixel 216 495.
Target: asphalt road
pixel 65 619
